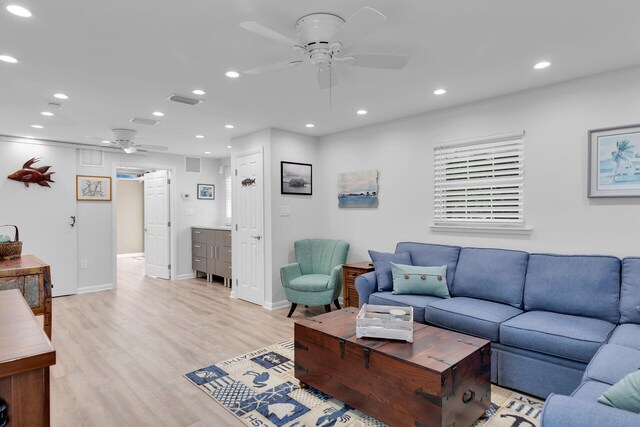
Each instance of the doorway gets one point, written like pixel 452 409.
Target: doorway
pixel 144 241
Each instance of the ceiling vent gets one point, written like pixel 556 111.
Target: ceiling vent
pixel 184 99
pixel 142 121
pixel 192 164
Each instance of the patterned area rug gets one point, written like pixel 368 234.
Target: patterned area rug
pixel 260 389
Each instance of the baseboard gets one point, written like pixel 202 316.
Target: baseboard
pixel 185 276
pixel 131 255
pixel 276 305
pixel 96 288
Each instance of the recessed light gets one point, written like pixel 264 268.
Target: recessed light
pixel 60 96
pixel 439 91
pixel 232 74
pixel 106 142
pixel 361 112
pixel 198 92
pixel 37 126
pixel 207 152
pixel 158 113
pixel 229 126
pixel 310 125
pixel 541 65
pixel 199 136
pixel 47 113
pixel 228 146
pixel 19 11
pixel 9 59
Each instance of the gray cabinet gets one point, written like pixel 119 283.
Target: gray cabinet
pixel 211 253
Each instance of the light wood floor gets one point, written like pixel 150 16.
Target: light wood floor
pixel 122 354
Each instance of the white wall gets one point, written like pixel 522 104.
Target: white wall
pixel 130 216
pixel 95 219
pixel 556 119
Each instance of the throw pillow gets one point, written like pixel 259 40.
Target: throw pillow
pixel 416 280
pixel 625 394
pixel 381 262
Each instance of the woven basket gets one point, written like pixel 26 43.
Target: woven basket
pixel 13 249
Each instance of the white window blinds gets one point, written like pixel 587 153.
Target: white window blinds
pixel 480 182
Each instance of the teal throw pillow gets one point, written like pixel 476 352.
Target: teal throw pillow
pixel 625 394
pixel 417 280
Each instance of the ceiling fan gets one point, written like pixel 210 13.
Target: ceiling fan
pixel 123 138
pixel 325 39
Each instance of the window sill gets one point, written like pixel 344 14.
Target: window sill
pixel 480 229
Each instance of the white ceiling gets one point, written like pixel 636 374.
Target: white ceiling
pixel 121 58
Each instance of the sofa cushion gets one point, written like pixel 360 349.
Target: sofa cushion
pixel 579 285
pixel 470 316
pixel 625 394
pixel 382 267
pixel 491 274
pixel 418 302
pixel 427 254
pixel 417 280
pixel 627 335
pixel 562 335
pixel 590 390
pixel 630 291
pixel 612 363
pixel 310 283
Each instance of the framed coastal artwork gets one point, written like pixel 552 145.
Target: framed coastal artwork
pixel 614 162
pixel 358 189
pixel 295 178
pixel 206 192
pixel 93 188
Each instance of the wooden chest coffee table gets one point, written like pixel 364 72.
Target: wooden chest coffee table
pixel 441 379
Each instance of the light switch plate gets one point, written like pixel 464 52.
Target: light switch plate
pixel 83 264
pixel 285 210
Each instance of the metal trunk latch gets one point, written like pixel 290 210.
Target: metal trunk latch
pixel 367 355
pixel 342 342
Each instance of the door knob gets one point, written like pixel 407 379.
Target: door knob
pixel 258 237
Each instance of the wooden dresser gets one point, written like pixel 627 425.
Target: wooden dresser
pixel 25 357
pixel 211 252
pixel 351 271
pixel 32 278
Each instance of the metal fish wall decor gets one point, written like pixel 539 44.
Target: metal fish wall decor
pixel 29 174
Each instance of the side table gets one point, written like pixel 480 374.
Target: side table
pixel 351 271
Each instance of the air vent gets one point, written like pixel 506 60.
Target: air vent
pixel 192 164
pixel 184 99
pixel 140 120
pixel 91 158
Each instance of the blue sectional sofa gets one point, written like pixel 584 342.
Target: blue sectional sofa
pixel 560 325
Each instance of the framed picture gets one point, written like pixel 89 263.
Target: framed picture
pixel 358 189
pixel 93 188
pixel 614 162
pixel 295 178
pixel 206 191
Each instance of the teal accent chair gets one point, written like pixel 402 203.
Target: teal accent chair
pixel 316 276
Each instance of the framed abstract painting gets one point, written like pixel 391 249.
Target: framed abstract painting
pixel 93 188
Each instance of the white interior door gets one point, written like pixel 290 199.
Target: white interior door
pixel 156 224
pixel 249 220
pixel 43 214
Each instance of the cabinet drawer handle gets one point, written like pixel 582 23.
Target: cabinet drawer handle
pixel 198 260
pixel 198 232
pixel 353 274
pixel 198 246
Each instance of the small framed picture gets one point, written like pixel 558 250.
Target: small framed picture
pixel 614 162
pixel 93 188
pixel 206 191
pixel 295 178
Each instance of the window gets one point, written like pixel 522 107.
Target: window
pixel 227 191
pixel 480 182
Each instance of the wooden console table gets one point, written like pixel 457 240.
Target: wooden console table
pixel 25 356
pixel 351 271
pixel 32 278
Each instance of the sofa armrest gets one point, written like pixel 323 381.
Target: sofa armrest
pixel 366 284
pixel 289 272
pixel 563 411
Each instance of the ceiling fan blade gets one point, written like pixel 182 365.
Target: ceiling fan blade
pixel 130 149
pixel 327 79
pixel 267 33
pixel 152 147
pixel 362 22
pixel 273 67
pixel 378 60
